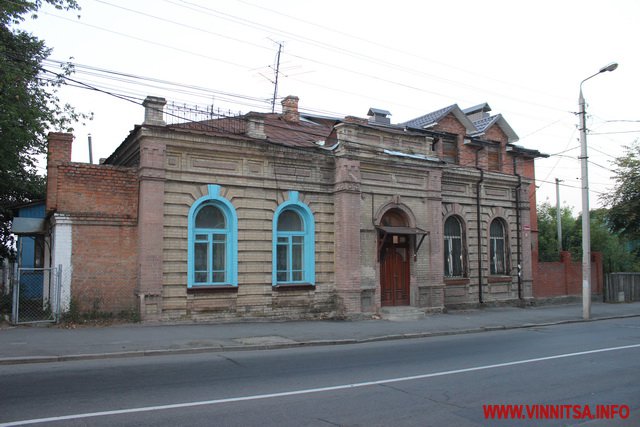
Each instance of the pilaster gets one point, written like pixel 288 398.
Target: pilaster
pixel 151 175
pixel 347 234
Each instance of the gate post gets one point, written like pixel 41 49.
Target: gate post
pixel 57 292
pixel 15 286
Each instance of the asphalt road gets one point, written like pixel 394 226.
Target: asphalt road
pixel 438 381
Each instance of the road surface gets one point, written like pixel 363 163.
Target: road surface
pixel 436 381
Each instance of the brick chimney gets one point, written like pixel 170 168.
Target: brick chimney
pixel 290 109
pixel 154 111
pixel 58 152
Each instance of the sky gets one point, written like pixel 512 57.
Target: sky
pixel 525 59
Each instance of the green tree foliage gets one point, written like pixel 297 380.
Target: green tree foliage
pixel 614 247
pixel 548 234
pixel 29 109
pixel 624 201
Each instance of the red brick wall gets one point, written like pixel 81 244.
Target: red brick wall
pixel 102 202
pixel 59 151
pixel 564 278
pixel 466 155
pixel 526 168
pixel 101 190
pixel 104 267
pixel 494 133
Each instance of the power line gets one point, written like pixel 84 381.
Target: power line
pixel 180 24
pixel 565 150
pixel 394 49
pixel 359 55
pixel 181 50
pixel 255 25
pixel 93 87
pixel 613 133
pixel 142 80
pixel 591 147
pixel 208 124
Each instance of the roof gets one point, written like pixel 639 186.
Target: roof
pixel 377 111
pixel 484 107
pixel 526 152
pixel 304 133
pixel 485 123
pixel 431 119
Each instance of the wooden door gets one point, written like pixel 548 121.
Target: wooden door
pixel 394 276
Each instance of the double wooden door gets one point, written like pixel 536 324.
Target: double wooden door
pixel 394 275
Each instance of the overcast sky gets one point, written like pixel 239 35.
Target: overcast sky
pixel 341 57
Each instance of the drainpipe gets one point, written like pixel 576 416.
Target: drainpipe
pixel 478 188
pixel 518 237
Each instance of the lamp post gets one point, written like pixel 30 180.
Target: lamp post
pixel 586 226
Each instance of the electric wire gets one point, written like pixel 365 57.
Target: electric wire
pixel 246 67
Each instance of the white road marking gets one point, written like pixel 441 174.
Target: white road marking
pixel 309 390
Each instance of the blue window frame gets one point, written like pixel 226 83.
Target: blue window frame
pixel 213 241
pixel 293 243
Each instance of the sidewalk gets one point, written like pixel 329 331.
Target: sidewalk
pixel 25 344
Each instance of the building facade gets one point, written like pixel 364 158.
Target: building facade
pixel 297 216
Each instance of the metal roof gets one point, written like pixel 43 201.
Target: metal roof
pixel 483 124
pixel 484 107
pixel 378 111
pixel 434 117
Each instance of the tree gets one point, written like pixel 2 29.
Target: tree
pixel 547 231
pixel 29 109
pixel 624 201
pixel 616 256
pixel 614 247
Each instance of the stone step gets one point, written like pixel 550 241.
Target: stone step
pixel 401 313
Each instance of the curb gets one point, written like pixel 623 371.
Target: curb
pixel 312 343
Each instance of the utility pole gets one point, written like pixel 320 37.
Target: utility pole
pixel 558 216
pixel 586 225
pixel 275 85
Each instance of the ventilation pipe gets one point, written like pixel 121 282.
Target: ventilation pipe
pixel 90 150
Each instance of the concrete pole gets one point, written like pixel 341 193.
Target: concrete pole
pixel 586 229
pixel 586 226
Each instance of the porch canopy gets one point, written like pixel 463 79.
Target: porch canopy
pixel 21 226
pixel 388 230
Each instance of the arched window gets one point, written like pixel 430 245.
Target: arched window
pixel 497 248
pixel 453 254
pixel 213 231
pixel 293 243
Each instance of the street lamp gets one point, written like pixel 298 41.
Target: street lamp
pixel 586 226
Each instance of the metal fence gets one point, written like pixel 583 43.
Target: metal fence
pixel 622 287
pixel 36 295
pixel 206 119
pixel 39 295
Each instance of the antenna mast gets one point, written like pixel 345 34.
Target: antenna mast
pixel 277 71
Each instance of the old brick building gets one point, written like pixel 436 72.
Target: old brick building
pixel 296 216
